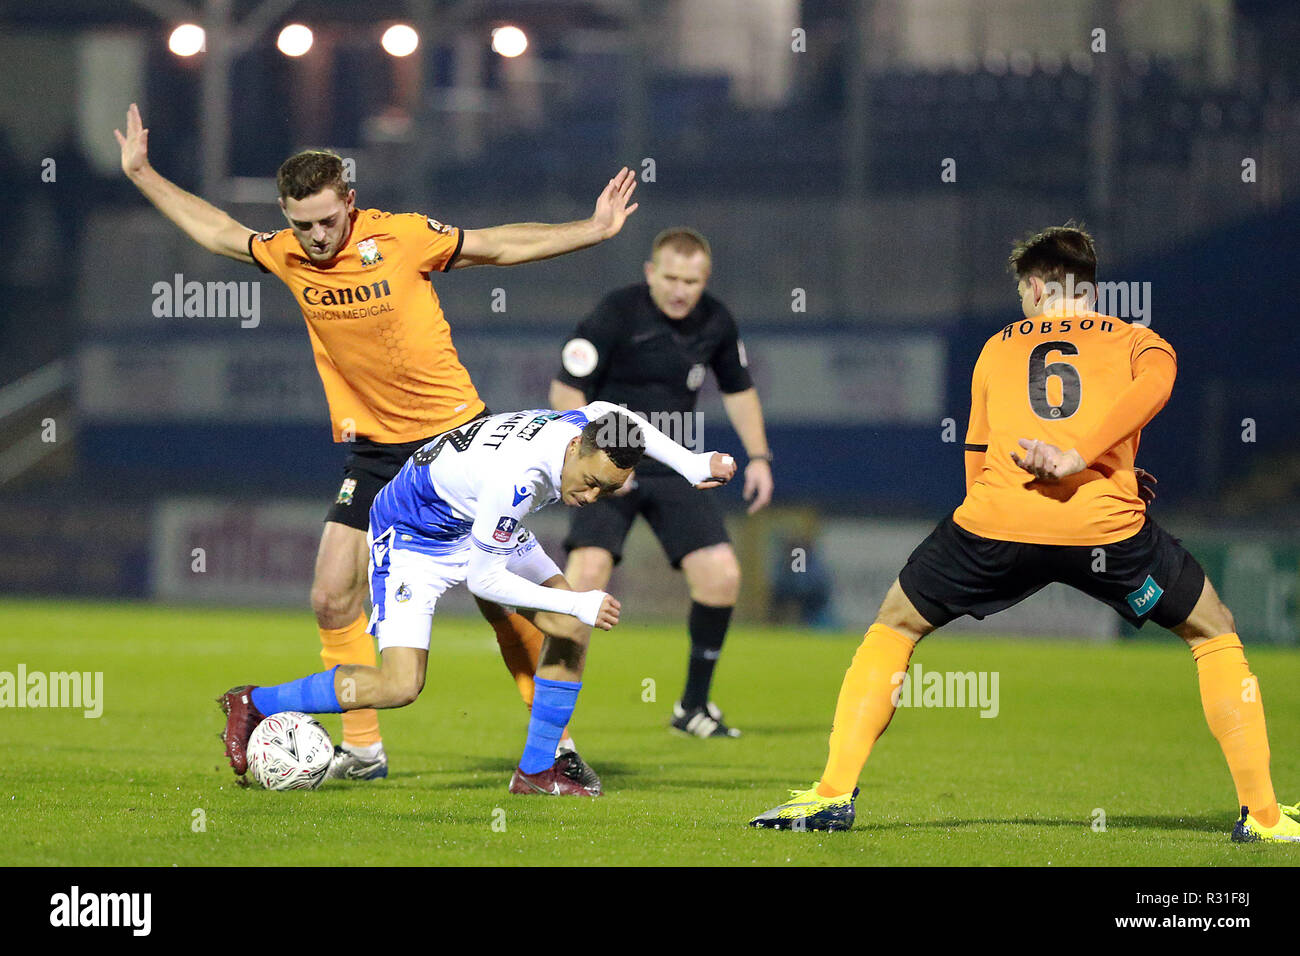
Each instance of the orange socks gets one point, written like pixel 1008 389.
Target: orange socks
pixel 1233 709
pixel 865 706
pixel 352 645
pixel 1229 694
pixel 521 645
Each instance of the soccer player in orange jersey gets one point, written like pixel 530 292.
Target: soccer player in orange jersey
pixel 1058 402
pixel 383 349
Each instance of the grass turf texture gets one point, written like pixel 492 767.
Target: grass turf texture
pixel 1080 727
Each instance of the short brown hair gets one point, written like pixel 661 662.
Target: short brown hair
pixel 307 173
pixel 1054 253
pixel 681 239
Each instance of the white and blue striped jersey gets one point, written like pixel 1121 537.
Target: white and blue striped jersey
pixel 474 485
pixel 433 502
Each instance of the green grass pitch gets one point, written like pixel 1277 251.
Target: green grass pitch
pixel 1080 727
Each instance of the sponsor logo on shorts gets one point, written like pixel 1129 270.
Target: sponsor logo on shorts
pixel 403 594
pixel 346 491
pixel 1146 597
pixel 505 528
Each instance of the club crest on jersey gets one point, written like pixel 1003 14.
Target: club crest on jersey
pixel 346 491
pixel 369 252
pixel 505 528
pixel 403 594
pixel 695 378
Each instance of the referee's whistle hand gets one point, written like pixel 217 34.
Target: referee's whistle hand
pixel 722 468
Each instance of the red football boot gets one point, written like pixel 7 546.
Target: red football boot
pixel 241 718
pixel 577 770
pixel 553 781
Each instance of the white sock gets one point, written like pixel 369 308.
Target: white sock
pixel 368 752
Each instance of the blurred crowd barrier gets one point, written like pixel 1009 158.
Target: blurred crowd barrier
pixel 801 568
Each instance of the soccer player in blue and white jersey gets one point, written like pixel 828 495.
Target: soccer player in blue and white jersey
pixel 453 514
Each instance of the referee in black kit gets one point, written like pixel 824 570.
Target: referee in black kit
pixel 647 347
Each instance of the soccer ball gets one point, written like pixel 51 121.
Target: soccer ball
pixel 289 751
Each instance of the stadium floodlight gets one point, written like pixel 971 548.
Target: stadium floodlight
pixel 400 40
pixel 294 40
pixel 509 41
pixel 187 40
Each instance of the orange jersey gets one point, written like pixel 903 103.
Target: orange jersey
pixel 382 345
pixel 1055 378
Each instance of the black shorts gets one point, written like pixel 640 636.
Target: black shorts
pixel 684 518
pixel 1147 577
pixel 369 466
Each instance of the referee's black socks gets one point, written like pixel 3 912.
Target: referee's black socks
pixel 708 628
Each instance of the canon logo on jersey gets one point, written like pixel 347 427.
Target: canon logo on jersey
pixel 362 293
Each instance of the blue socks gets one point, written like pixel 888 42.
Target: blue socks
pixel 309 695
pixel 553 703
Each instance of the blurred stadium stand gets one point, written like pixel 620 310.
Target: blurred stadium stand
pixel 824 177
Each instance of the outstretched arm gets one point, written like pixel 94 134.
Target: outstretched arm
pixel 530 241
pixel 203 222
pixel 708 469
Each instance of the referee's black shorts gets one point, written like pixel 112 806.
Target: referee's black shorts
pixel 1147 577
pixel 683 518
pixel 369 466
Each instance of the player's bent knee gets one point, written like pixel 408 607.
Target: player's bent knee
pixel 728 580
pixel 589 568
pixel 1223 618
pixel 336 607
pixel 898 614
pixel 1209 619
pixel 723 590
pixel 713 576
pixel 402 689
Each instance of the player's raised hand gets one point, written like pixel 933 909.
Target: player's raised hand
pixel 1046 462
pixel 607 617
pixel 1146 485
pixel 612 209
pixel 135 144
pixel 722 468
pixel 758 485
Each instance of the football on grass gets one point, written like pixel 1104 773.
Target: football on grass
pixel 289 751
